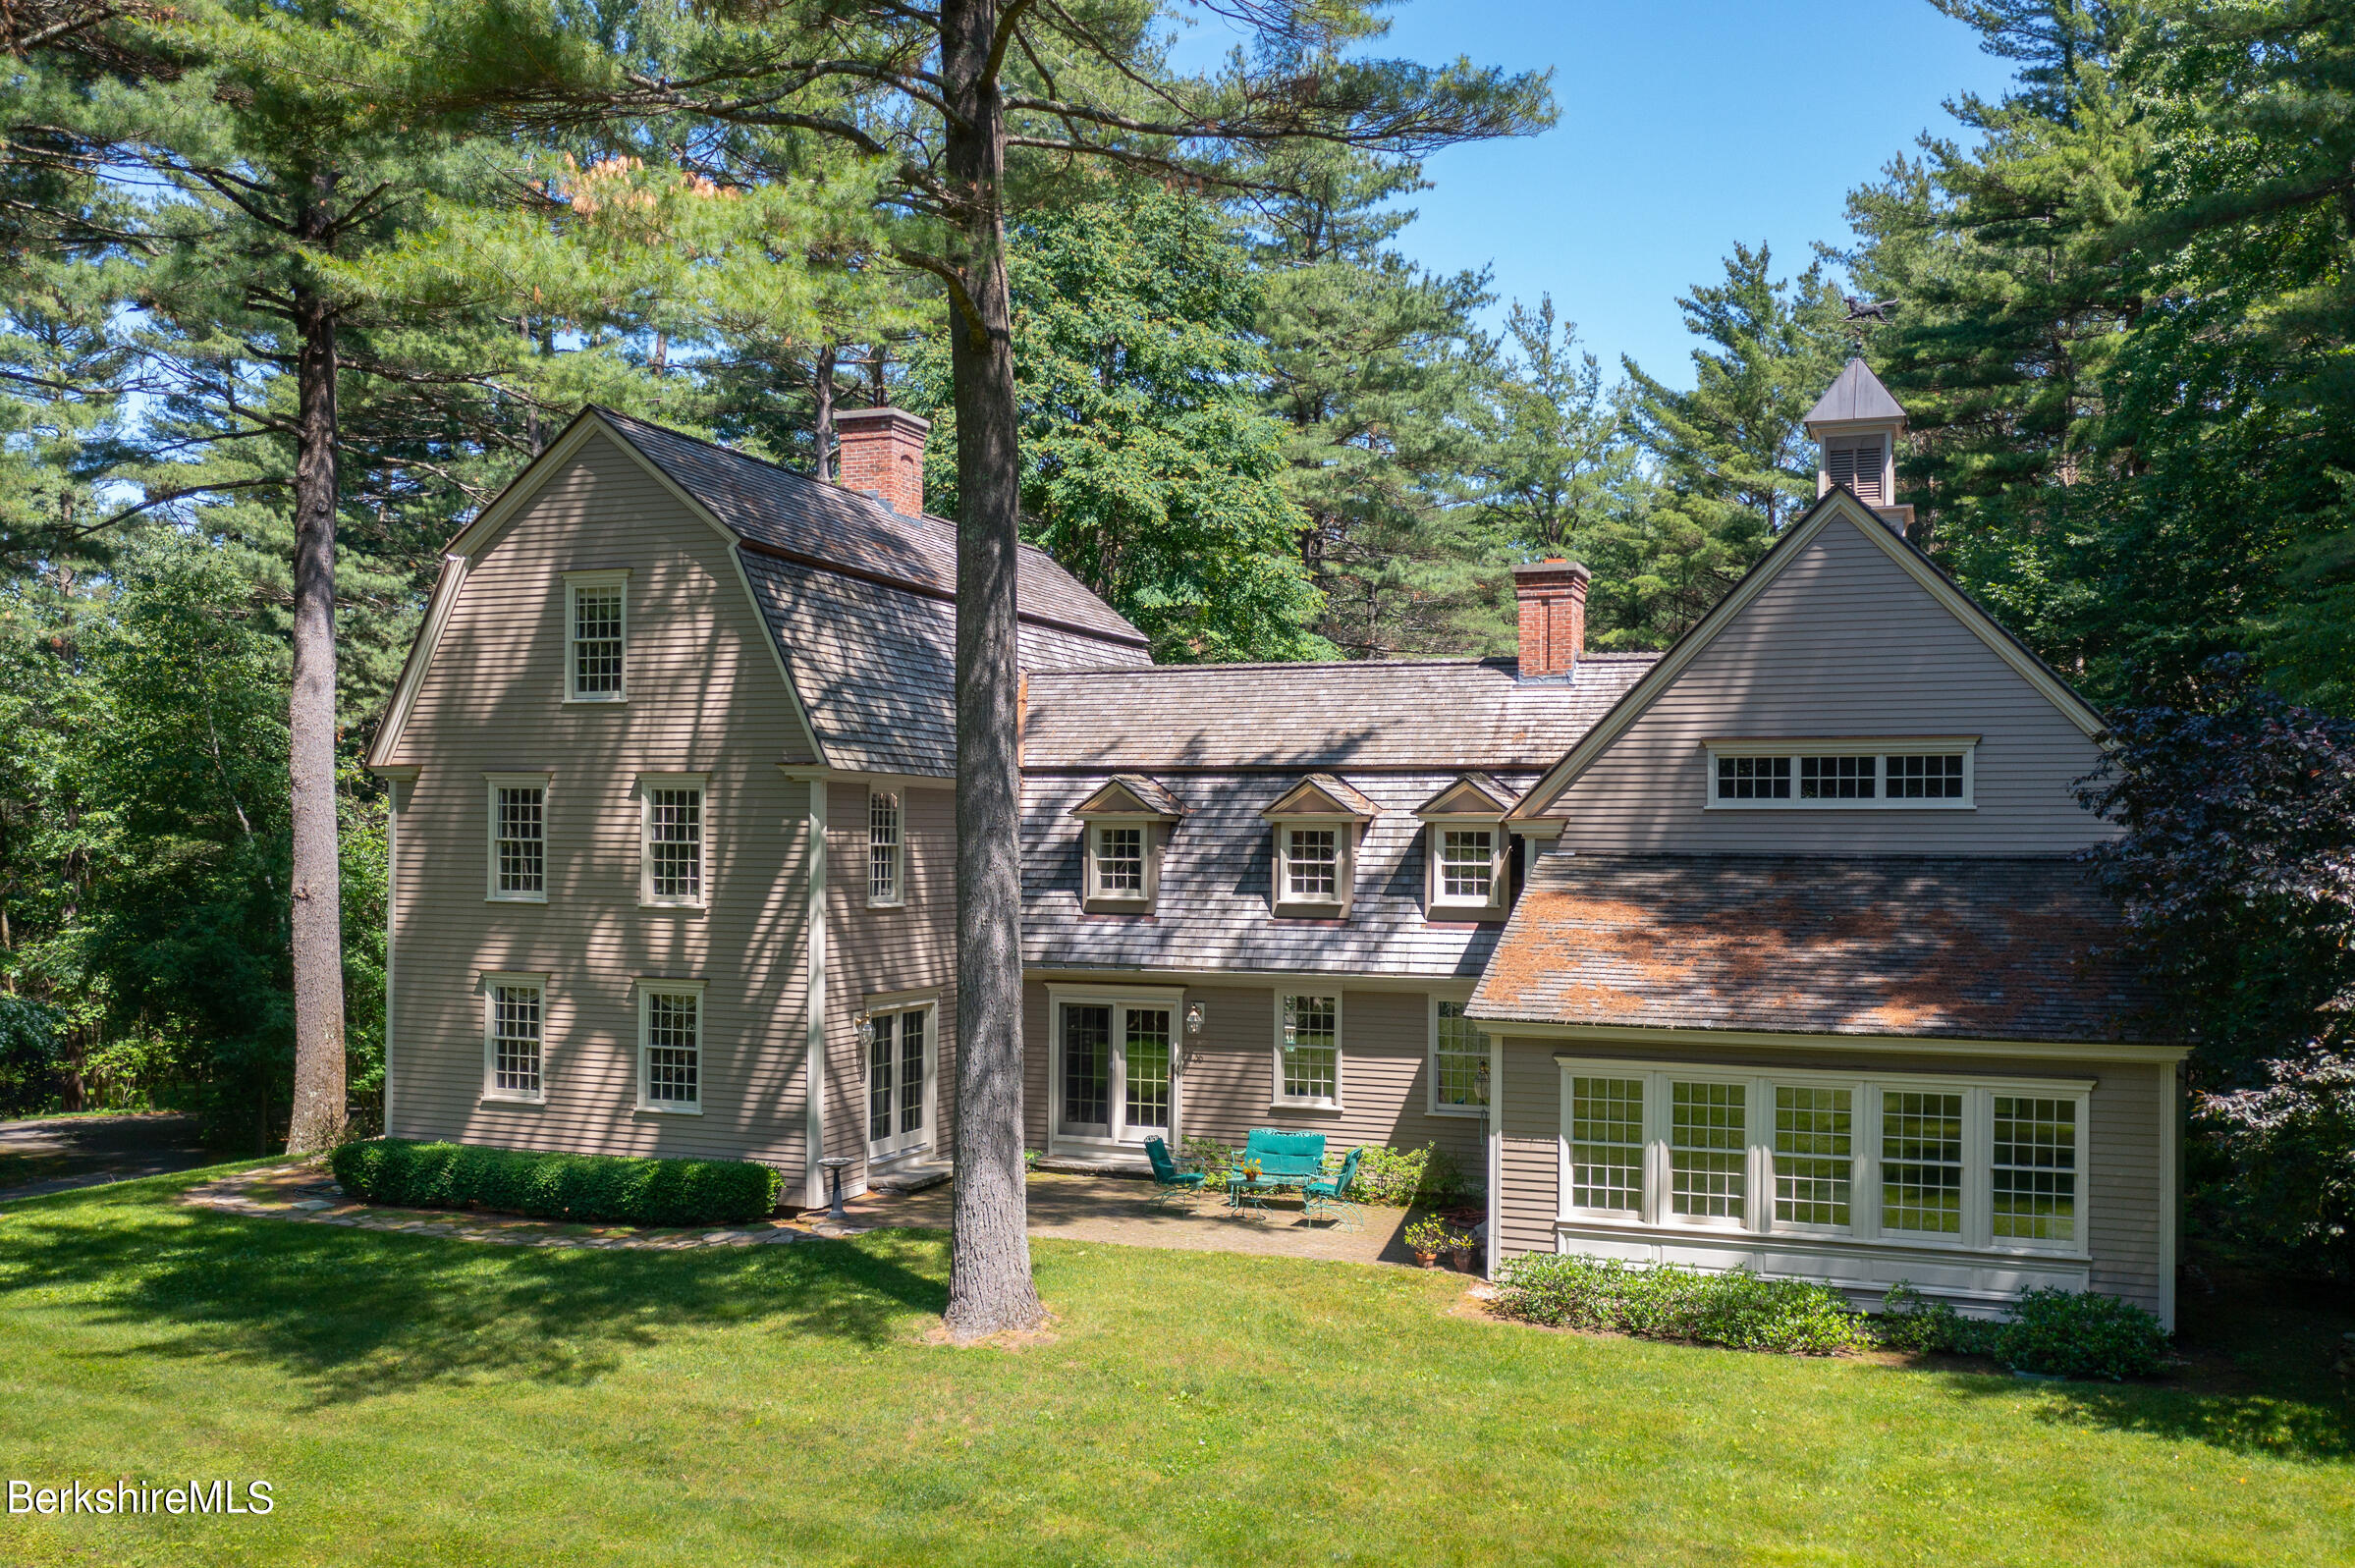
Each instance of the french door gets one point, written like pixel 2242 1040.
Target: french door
pixel 899 1072
pixel 1116 1072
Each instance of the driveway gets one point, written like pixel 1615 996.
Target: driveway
pixel 50 1154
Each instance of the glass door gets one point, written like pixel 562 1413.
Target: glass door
pixel 898 1081
pixel 1118 1075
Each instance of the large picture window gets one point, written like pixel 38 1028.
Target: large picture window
pixel 1902 1161
pixel 1818 774
pixel 1308 1053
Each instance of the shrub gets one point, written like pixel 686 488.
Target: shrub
pixel 599 1188
pixel 1406 1178
pixel 1206 1154
pixel 2048 1331
pixel 1670 1302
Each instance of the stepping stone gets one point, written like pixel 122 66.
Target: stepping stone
pixel 313 1203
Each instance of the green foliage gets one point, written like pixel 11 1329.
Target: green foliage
pixel 29 1056
pixel 1428 1235
pixel 2058 1332
pixel 589 1188
pixel 1672 1302
pixel 1402 1178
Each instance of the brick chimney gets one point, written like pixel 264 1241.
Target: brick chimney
pixel 1552 596
pixel 882 452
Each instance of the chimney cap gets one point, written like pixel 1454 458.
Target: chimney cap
pixel 1552 567
pixel 882 414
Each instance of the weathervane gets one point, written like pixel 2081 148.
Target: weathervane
pixel 1863 315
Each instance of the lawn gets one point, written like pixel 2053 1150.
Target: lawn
pixel 415 1400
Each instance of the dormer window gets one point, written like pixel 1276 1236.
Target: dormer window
pixel 596 636
pixel 1124 826
pixel 1316 825
pixel 1464 855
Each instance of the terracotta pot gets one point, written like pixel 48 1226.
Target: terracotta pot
pixel 1429 1259
pixel 1461 1258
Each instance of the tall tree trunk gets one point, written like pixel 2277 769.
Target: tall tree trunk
pixel 318 1118
pixel 990 1289
pixel 824 382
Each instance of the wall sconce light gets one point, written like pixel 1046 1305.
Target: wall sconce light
pixel 1195 1015
pixel 865 1025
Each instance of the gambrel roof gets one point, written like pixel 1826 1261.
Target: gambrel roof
pixel 861 601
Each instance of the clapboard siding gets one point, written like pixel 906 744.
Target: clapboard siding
pixel 704 696
pixel 1844 642
pixel 1228 1083
pixel 2122 1197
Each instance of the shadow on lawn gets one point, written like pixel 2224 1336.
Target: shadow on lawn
pixel 357 1313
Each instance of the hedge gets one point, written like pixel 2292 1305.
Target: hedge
pixel 1670 1302
pixel 2059 1333
pixel 589 1188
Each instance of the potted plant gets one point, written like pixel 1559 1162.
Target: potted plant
pixel 1462 1248
pixel 1427 1238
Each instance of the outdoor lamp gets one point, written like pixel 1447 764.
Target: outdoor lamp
pixel 864 1023
pixel 1194 1016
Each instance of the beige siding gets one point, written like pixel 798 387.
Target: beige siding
pixel 2121 1189
pixel 704 697
pixel 1842 643
pixel 1229 1080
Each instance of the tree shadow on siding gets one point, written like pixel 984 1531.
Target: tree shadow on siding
pixel 354 1313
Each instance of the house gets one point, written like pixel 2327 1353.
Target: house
pixel 1770 950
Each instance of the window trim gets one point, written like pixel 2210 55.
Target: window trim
pixel 488 985
pixel 1093 895
pixel 1655 1216
pixel 574 582
pixel 1500 869
pixel 648 987
pixel 1878 748
pixel 893 1005
pixel 492 783
pixel 1344 869
pixel 1431 1101
pixel 1121 999
pixel 1278 1100
pixel 899 895
pixel 647 784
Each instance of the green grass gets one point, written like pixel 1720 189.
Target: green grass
pixel 417 1400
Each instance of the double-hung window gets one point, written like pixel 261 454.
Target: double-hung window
pixel 673 837
pixel 519 837
pixel 669 1034
pixel 1888 1160
pixel 1316 824
pixel 1467 865
pixel 513 1035
pixel 1460 1057
pixel 1312 864
pixel 1835 774
pixel 887 851
pixel 1308 1051
pixel 1119 850
pixel 1124 828
pixel 596 636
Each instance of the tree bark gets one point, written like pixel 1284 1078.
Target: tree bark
pixel 318 1118
pixel 990 1288
pixel 823 381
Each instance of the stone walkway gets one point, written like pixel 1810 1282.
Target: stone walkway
pixel 1062 1207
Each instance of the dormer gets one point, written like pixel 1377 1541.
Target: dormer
pixel 1857 424
pixel 1125 826
pixel 1317 824
pixel 1466 867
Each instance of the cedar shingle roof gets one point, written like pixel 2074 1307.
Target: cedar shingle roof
pixel 1960 948
pixel 1858 394
pixel 1441 715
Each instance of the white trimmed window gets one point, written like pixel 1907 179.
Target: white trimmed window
pixel 886 850
pixel 596 636
pixel 1119 860
pixel 1834 775
pixel 669 1034
pixel 1312 862
pixel 672 859
pixel 1459 1057
pixel 901 1054
pixel 1308 1051
pixel 513 1024
pixel 519 837
pixel 1467 865
pixel 1896 1160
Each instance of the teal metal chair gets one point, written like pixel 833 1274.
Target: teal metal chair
pixel 1169 1184
pixel 1330 1200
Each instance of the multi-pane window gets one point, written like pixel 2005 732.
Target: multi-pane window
pixel 2035 1168
pixel 1120 862
pixel 1753 778
pixel 1813 1155
pixel 1458 1061
pixel 1467 864
pixel 674 848
pixel 897 1079
pixel 883 849
pixel 597 641
pixel 674 1050
pixel 1837 778
pixel 516 1010
pixel 519 841
pixel 1921 1161
pixel 1145 1063
pixel 1308 1059
pixel 1936 776
pixel 1708 1149
pixel 1606 1126
pixel 1313 865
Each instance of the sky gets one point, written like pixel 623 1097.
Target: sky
pixel 1685 125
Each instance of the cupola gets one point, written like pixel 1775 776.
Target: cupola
pixel 1857 424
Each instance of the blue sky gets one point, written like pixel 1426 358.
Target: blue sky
pixel 1685 125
